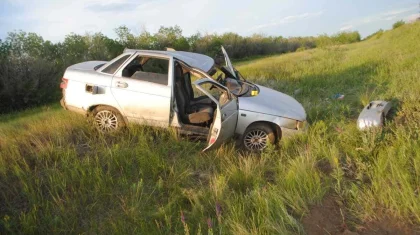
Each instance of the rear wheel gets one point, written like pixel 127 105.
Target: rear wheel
pixel 257 137
pixel 107 119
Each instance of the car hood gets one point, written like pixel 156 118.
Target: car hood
pixel 272 102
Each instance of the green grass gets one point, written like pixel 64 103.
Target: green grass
pixel 59 175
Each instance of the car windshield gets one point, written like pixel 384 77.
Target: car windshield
pixel 238 86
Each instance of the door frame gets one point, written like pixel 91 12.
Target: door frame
pixel 118 76
pixel 219 122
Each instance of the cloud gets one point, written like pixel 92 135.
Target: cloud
pixel 383 16
pixel 111 7
pixel 346 27
pixel 390 17
pixel 287 20
pixel 115 5
pixel 399 11
pixel 412 17
pixel 54 19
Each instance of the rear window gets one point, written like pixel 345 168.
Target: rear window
pixel 98 66
pixel 114 66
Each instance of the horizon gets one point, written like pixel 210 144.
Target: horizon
pixel 51 20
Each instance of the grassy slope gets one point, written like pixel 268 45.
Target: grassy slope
pixel 59 175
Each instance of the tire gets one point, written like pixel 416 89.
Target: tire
pixel 107 119
pixel 257 137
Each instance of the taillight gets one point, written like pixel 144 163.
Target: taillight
pixel 64 82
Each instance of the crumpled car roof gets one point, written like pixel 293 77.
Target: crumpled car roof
pixel 195 60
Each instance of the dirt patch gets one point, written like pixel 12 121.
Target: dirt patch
pixel 326 218
pixel 324 166
pixel 330 217
pixel 387 226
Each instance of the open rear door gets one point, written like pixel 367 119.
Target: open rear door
pixel 225 118
pixel 229 65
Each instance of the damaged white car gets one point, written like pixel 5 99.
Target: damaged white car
pixel 184 90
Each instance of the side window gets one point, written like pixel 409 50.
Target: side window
pixel 155 65
pixel 148 69
pixel 114 66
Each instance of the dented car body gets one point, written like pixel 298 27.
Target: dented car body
pixel 373 115
pixel 156 88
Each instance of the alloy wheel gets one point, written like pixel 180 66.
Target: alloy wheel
pixel 106 121
pixel 256 140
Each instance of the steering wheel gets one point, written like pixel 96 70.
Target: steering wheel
pixel 137 67
pixel 219 78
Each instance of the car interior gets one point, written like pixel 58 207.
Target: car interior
pixel 148 69
pixel 190 109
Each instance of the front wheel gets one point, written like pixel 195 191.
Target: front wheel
pixel 257 137
pixel 107 119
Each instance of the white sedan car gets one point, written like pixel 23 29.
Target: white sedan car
pixel 156 88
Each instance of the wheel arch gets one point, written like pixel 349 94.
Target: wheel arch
pixel 93 107
pixel 276 128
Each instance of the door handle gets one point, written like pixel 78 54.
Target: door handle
pixel 122 84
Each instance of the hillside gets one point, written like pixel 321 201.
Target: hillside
pixel 58 175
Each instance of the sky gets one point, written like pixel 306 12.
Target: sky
pixel 53 19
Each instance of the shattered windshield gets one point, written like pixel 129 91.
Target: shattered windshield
pixel 234 84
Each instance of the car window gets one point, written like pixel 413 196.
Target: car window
pixel 114 66
pixel 155 65
pixel 148 69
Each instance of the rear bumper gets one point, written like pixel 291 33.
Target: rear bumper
pixel 72 108
pixel 63 103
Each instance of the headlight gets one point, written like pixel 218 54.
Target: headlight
pixel 300 125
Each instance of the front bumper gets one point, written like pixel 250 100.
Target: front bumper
pixel 287 133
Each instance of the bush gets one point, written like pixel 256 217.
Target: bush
pixel 398 24
pixel 31 68
pixel 376 34
pixel 338 39
pixel 26 82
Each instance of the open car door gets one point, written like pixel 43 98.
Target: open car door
pixel 229 65
pixel 225 116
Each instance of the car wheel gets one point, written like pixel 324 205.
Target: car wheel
pixel 258 136
pixel 107 119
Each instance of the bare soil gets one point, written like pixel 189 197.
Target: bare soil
pixel 330 218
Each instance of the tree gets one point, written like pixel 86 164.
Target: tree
pixel 75 49
pixel 25 44
pixel 4 49
pixel 125 37
pixel 171 37
pixel 192 41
